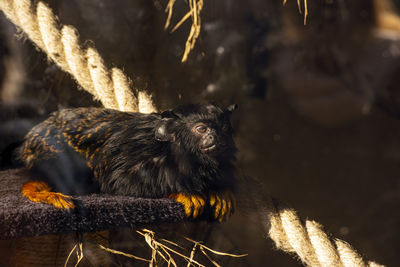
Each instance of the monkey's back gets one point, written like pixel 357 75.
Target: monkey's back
pixel 82 129
pixel 67 147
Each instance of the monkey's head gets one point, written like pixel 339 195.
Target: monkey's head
pixel 201 130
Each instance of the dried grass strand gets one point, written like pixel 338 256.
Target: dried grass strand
pixel 69 255
pixel 181 21
pixel 79 254
pixel 150 234
pixel 169 9
pixel 195 7
pixel 191 257
pixel 214 251
pixel 300 10
pixel 122 253
pixel 209 258
pixel 172 243
pixel 305 12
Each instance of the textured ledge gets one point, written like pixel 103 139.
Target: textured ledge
pixel 21 217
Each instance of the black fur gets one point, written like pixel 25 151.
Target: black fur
pixel 144 155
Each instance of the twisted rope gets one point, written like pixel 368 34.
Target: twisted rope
pixel 61 44
pixel 311 244
pixel 308 241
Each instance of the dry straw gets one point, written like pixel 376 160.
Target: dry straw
pixel 195 7
pixel 162 251
pixel 300 9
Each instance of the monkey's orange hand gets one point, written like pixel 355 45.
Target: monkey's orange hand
pixel 193 204
pixel 40 192
pixel 223 204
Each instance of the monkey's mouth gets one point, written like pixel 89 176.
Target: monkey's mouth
pixel 208 149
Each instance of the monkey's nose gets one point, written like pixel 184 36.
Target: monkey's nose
pixel 208 143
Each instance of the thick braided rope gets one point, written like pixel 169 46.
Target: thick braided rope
pixel 86 65
pixel 311 243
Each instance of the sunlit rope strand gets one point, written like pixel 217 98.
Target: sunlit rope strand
pixel 61 44
pixel 311 244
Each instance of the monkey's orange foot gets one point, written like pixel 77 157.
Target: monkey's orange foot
pixel 193 204
pixel 40 192
pixel 223 204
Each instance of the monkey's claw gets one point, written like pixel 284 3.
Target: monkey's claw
pixel 223 205
pixel 193 204
pixel 40 192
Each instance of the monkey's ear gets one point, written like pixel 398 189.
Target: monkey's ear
pixel 231 108
pixel 162 133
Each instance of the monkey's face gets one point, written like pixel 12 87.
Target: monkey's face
pixel 201 130
pixel 207 137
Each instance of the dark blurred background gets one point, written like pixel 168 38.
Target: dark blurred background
pixel 319 104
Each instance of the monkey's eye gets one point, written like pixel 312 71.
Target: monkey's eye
pixel 201 129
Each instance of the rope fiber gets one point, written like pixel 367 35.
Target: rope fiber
pixel 309 241
pixel 112 88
